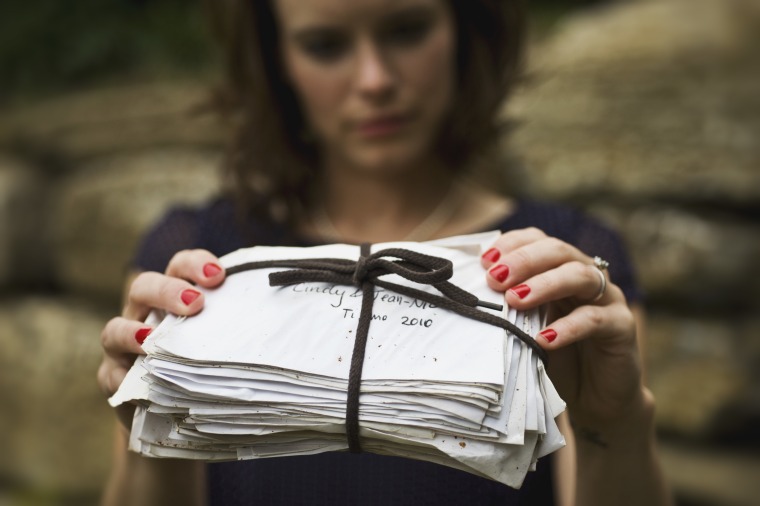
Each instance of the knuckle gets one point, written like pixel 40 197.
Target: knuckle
pixel 535 232
pixel 571 327
pixel 180 256
pixel 113 381
pixel 141 280
pixel 625 318
pixel 165 290
pixel 105 334
pixel 616 291
pixel 546 284
pixel 103 376
pixel 521 258
pixel 579 269
pixel 179 261
pixel 595 316
pixel 558 245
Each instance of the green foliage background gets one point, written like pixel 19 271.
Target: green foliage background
pixel 52 45
pixel 49 46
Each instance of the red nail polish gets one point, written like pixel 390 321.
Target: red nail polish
pixel 492 255
pixel 521 291
pixel 210 270
pixel 499 272
pixel 189 296
pixel 549 335
pixel 142 334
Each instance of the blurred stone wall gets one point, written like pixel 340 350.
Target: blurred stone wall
pixel 81 178
pixel 645 113
pixel 652 123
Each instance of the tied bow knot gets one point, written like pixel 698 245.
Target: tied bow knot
pixel 410 265
pixel 361 270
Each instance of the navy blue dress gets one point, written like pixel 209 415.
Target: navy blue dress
pixel 366 479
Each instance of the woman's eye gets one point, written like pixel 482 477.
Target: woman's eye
pixel 324 47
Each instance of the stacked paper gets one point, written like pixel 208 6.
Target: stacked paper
pixel 263 372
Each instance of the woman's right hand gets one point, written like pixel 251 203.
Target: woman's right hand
pixel 174 292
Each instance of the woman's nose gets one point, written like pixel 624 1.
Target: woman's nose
pixel 374 76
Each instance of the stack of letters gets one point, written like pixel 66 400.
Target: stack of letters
pixel 263 372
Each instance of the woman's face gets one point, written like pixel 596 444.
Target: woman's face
pixel 374 78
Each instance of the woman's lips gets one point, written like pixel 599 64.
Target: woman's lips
pixel 384 126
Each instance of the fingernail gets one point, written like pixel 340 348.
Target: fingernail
pixel 210 270
pixel 189 296
pixel 142 333
pixel 499 273
pixel 521 291
pixel 492 255
pixel 549 335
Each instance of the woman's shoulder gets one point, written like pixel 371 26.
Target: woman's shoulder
pixel 217 225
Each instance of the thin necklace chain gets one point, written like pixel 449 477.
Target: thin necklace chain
pixel 434 221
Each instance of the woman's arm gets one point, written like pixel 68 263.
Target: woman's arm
pixel 595 363
pixel 143 481
pixel 600 463
pixel 618 464
pixel 137 480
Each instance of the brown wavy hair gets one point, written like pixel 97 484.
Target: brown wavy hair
pixel 271 165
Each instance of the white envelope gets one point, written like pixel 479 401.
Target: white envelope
pixel 262 371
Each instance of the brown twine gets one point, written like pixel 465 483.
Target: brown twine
pixel 365 274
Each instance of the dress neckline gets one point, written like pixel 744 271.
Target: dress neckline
pixel 503 223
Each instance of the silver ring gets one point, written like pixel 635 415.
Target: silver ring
pixel 601 266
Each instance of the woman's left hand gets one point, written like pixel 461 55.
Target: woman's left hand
pixel 593 355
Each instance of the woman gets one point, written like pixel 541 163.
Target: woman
pixel 357 121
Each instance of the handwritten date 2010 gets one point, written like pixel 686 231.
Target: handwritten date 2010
pixel 413 322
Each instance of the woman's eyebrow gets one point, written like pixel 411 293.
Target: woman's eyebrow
pixel 307 33
pixel 414 12
pixel 409 13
